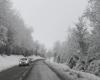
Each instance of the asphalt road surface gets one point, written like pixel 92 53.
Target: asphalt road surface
pixel 41 71
pixel 13 73
pixel 38 70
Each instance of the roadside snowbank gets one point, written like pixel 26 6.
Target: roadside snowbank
pixel 36 57
pixel 8 61
pixel 65 71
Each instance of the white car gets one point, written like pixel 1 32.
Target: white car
pixel 24 62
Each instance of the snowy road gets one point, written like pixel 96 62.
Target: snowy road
pixel 41 71
pixel 14 73
pixel 38 71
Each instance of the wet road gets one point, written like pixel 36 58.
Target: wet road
pixel 13 73
pixel 38 70
pixel 41 71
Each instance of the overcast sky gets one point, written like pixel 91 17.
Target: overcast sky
pixel 50 18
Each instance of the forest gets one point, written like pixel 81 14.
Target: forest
pixel 80 51
pixel 15 37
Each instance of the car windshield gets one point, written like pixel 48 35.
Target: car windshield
pixel 23 59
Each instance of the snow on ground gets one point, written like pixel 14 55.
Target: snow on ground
pixel 8 61
pixel 73 74
pixel 36 57
pixel 58 65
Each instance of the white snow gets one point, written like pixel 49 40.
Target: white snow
pixel 13 60
pixel 73 74
pixel 8 61
pixel 36 57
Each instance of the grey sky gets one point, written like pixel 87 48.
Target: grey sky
pixel 50 18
